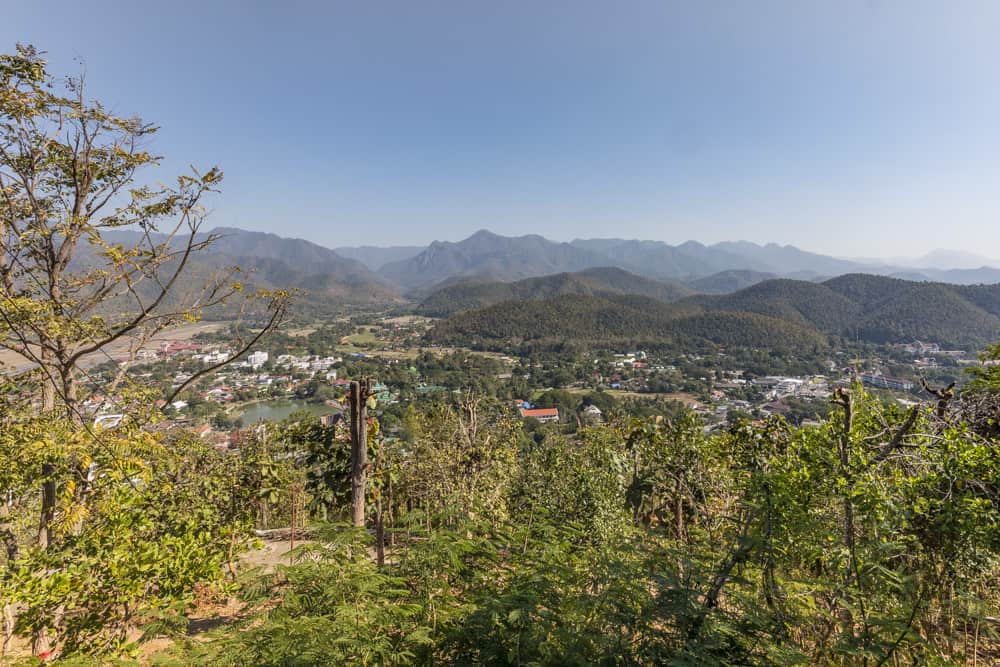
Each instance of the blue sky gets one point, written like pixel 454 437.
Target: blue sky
pixel 853 128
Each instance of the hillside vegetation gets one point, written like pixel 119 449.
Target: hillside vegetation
pixel 804 303
pixel 726 282
pixel 604 281
pixel 786 314
pixel 876 309
pixel 618 318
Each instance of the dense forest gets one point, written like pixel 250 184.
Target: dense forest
pixel 619 320
pixel 782 313
pixel 471 295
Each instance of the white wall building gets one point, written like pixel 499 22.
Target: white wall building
pixel 257 359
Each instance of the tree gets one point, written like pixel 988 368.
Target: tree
pixel 151 540
pixel 987 375
pixel 92 257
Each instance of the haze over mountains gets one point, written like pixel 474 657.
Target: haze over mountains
pixel 373 274
pixel 271 261
pixel 497 289
pixel 488 256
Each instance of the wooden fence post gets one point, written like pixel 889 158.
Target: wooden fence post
pixel 360 391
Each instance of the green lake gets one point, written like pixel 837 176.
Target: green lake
pixel 278 409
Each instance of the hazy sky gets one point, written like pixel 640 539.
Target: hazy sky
pixel 853 128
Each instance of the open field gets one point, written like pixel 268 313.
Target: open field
pixel 364 337
pixel 17 363
pixel 407 320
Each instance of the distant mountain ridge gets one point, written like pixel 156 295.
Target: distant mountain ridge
pixel 953 259
pixel 487 257
pixel 979 276
pixel 272 261
pixel 490 257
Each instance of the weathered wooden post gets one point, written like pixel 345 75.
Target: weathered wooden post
pixel 360 391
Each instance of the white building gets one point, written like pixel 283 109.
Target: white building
pixel 257 359
pixel 215 357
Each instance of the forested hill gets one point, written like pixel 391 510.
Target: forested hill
pixel 805 303
pixel 604 281
pixel 618 318
pixel 776 313
pixel 876 309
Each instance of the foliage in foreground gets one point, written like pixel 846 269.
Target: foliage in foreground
pixel 160 522
pixel 868 540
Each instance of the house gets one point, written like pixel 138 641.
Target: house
pixel 544 415
pixel 593 413
pixel 219 394
pixel 885 382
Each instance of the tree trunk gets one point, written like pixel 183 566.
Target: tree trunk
pixel 40 641
pixel 48 509
pixel 11 548
pixel 360 391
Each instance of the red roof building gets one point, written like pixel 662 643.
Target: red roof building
pixel 543 415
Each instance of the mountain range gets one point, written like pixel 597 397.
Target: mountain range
pixel 272 261
pixel 370 274
pixel 485 256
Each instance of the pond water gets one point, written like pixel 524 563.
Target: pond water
pixel 278 409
